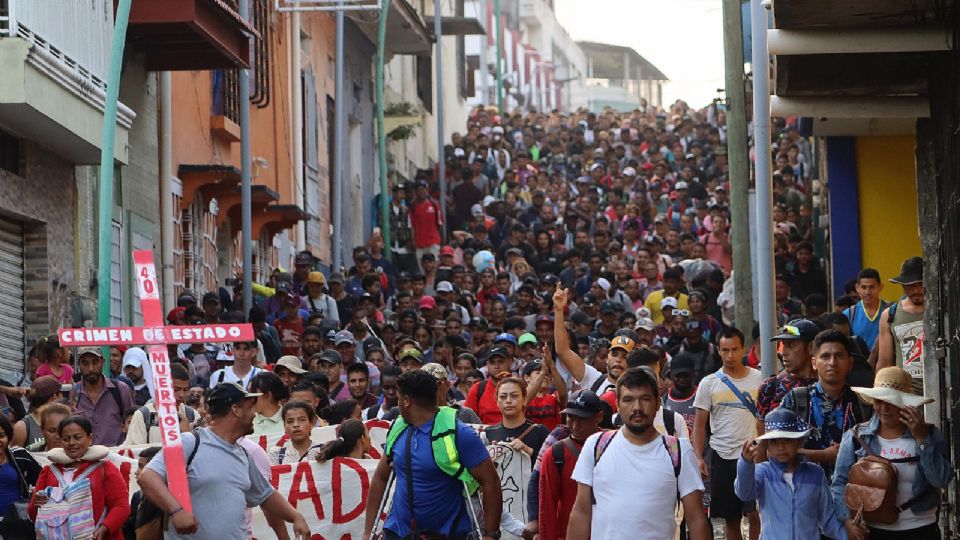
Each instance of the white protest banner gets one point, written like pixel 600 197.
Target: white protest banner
pixel 332 497
pixel 514 469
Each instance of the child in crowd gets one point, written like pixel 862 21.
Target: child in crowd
pixel 299 418
pixel 543 406
pixel 790 491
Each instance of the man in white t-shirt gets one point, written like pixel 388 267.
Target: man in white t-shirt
pixel 242 369
pixel 622 494
pixel 727 398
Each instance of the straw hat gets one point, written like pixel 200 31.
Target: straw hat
pixel 892 385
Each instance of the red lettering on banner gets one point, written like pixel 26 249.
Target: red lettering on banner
pixel 337 487
pixel 164 382
pixel 304 472
pixel 263 442
pixel 125 468
pixel 165 395
pixel 282 440
pixel 276 471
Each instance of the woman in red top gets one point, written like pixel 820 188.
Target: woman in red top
pixel 109 491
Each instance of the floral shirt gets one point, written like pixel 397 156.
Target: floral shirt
pixel 773 389
pixel 288 454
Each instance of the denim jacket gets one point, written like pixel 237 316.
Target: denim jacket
pixel 934 469
pixel 800 513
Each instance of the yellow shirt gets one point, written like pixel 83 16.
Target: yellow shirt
pixel 653 304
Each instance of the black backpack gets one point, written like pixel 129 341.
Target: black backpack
pixel 152 419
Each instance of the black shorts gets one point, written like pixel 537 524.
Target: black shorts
pixel 723 500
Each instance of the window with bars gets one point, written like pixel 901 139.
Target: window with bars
pixel 226 83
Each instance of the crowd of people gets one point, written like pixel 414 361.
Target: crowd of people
pixel 576 303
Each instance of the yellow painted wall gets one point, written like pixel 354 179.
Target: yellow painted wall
pixel 889 229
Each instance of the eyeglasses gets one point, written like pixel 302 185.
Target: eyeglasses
pixel 792 330
pixel 681 312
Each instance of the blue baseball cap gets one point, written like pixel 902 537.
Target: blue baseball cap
pixel 505 336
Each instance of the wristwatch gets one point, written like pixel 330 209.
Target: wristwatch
pixel 495 534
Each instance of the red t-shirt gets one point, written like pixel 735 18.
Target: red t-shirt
pixel 426 220
pixel 486 405
pixel 544 410
pixel 611 398
pixel 290 331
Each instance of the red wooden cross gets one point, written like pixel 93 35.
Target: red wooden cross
pixel 157 336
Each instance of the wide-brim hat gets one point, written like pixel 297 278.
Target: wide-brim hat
pixel 783 424
pixel 911 271
pixel 892 385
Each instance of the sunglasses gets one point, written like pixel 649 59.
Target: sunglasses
pixel 681 312
pixel 792 330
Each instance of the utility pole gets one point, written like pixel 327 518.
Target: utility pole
pixel 338 136
pixel 246 201
pixel 497 25
pixel 761 142
pixel 441 157
pixel 739 160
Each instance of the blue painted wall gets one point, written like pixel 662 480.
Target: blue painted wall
pixel 846 257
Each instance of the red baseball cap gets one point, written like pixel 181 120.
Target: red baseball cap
pixel 446 250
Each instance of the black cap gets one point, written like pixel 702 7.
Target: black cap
pixel 211 297
pixel 584 404
pixel 329 324
pixel 589 299
pixel 911 271
pixel 498 351
pixel 531 366
pixel 580 317
pixel 682 363
pixel 608 306
pixel 797 329
pixel 229 393
pixel 331 356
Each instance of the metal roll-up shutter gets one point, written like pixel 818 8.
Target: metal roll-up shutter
pixel 12 342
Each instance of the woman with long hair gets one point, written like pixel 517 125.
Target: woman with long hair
pixel 897 432
pixel 352 441
pixel 78 459
pixel 18 472
pixel 515 430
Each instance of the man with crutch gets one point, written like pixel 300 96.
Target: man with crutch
pixel 434 463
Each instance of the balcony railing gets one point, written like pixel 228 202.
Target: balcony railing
pixel 76 33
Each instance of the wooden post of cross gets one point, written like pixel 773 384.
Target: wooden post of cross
pixel 156 336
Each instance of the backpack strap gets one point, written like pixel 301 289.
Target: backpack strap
pixel 672 444
pixel 196 446
pixel 597 384
pixel 115 392
pixel 481 389
pixel 281 454
pixel 149 418
pixel 606 437
pixel 746 401
pixel 669 422
pixel 559 451
pixel 891 313
pixel 801 400
pixel 602 443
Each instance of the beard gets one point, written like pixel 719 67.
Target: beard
pixel 638 427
